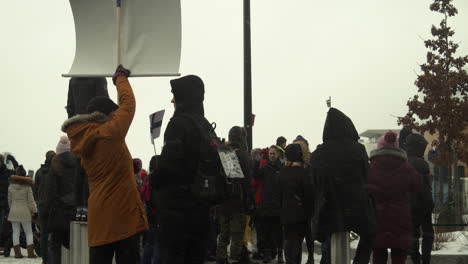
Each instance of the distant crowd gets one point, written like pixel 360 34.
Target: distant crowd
pixel 208 199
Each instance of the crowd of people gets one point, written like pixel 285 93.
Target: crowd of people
pixel 189 208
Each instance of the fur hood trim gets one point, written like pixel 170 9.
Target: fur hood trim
pixel 389 151
pixel 21 180
pixel 93 117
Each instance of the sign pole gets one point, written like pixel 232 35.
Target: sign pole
pixel 117 30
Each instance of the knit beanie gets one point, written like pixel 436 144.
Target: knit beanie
pixel 101 104
pixel 294 153
pixel 301 138
pixel 188 90
pixel 390 139
pixel 63 145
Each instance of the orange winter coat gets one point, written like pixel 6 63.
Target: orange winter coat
pixel 115 211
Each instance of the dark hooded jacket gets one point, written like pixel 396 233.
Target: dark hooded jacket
pixel 59 189
pixel 391 181
pixel 402 137
pixel 295 189
pixel 5 174
pixel 340 166
pixel 181 152
pixel 81 90
pixel 39 185
pixel 270 204
pixel 421 202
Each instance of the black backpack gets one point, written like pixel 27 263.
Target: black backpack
pixel 210 184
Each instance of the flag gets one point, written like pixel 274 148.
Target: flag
pixel 155 124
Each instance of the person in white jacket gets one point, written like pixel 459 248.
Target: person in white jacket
pixel 22 209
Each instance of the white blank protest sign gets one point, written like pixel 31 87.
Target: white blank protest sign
pixel 150 37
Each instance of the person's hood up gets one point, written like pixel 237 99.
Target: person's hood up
pixel 339 126
pixel 415 145
pixel 189 94
pixel 21 180
pixel 81 131
pixel 405 132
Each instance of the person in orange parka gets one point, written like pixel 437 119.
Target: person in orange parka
pixel 116 215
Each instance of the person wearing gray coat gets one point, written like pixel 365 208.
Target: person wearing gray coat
pixel 22 209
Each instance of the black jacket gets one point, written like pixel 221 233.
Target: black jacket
pixel 59 189
pixel 179 159
pixel 4 184
pixel 293 195
pixel 421 202
pixel 341 166
pixel 271 202
pixel 39 185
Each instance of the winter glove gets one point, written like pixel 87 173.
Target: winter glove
pixel 120 71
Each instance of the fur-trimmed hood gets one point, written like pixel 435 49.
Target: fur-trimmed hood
pixel 93 117
pixel 83 132
pixel 21 180
pixel 389 151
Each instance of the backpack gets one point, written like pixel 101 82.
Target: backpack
pixel 210 184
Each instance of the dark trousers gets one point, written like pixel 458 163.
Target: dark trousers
pixel 363 250
pixel 381 254
pixel 213 232
pixel 424 224
pixel 310 244
pixel 57 239
pixel 150 248
pixel 294 235
pixel 270 229
pixel 183 234
pixel 44 237
pixel 126 251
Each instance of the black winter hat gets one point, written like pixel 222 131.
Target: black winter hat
pixel 294 153
pixel 188 90
pixel 101 104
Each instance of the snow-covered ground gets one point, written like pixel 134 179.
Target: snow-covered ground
pixel 24 260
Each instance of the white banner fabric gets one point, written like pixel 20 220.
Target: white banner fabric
pixel 150 37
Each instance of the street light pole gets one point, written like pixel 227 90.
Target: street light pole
pixel 247 75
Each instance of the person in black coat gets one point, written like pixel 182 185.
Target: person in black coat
pixel 293 193
pixel 268 210
pixel 422 202
pixel 40 193
pixel 232 212
pixel 59 199
pixel 5 174
pixel 341 166
pixel 183 218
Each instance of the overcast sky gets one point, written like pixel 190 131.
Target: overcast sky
pixel 364 54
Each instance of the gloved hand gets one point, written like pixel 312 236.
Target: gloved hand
pixel 120 71
pixel 13 160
